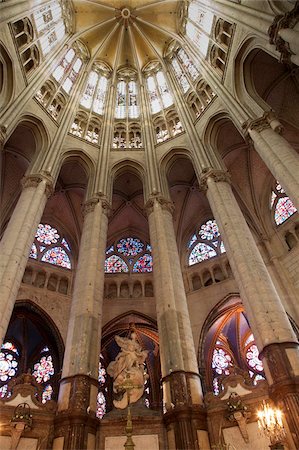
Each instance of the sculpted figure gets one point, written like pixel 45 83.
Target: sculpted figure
pixel 128 367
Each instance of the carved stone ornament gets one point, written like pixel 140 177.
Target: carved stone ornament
pixel 288 20
pixel 268 120
pixel 33 180
pixel 128 371
pixel 216 174
pixel 238 412
pixel 90 205
pixel 162 201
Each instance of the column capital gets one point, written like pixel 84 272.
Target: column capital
pixel 163 202
pixel 280 22
pixel 91 203
pixel 216 174
pixel 34 179
pixel 268 120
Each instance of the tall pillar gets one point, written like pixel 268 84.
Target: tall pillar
pixel 269 322
pixel 76 422
pixel 184 417
pixel 17 240
pixel 278 155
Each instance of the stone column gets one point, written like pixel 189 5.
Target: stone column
pixel 17 240
pixel 184 417
pixel 278 155
pixel 269 322
pixel 284 34
pixel 76 423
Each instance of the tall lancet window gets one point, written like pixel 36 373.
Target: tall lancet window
pixel 199 26
pixel 197 92
pixel 127 130
pixel 40 32
pixel 166 121
pixel 54 93
pixel 87 123
pixel 50 26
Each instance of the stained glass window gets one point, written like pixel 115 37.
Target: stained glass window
pixel 135 256
pixel 199 39
pixel 49 26
pixel 281 204
pixel 188 64
pixel 8 366
pixel 201 17
pixel 68 70
pixel 159 93
pixel 180 75
pixel 252 356
pixel 206 243
pixel 101 405
pixel 130 246
pixel 221 361
pixel 47 393
pixel 44 369
pixel 115 264
pixel 49 246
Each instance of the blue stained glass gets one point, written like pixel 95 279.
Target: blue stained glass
pixel 57 256
pixel 110 250
pixel 33 251
pixel 144 264
pixel 192 240
pixel 283 210
pixel 129 246
pixel 201 252
pixel 209 230
pixel 115 264
pixel 46 234
pixel 65 243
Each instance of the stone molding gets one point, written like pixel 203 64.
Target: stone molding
pixel 288 20
pixel 2 136
pixel 277 360
pixel 217 176
pixel 90 204
pixel 179 381
pixel 33 180
pixel 163 202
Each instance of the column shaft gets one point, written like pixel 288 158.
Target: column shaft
pixel 269 322
pixel 279 156
pixel 17 240
pixel 76 422
pixel 181 383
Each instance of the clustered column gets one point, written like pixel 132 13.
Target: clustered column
pixel 17 240
pixel 182 394
pixel 269 322
pixel 76 423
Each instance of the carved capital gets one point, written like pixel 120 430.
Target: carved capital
pixel 216 174
pixel 163 202
pixel 288 20
pixel 268 120
pixel 34 180
pixel 90 205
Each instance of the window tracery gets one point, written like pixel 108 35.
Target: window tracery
pixel 101 398
pixel 232 349
pixel 53 95
pixel 49 246
pixel 281 205
pixel 127 129
pixel 36 36
pixel 197 92
pixel 206 243
pixel 129 254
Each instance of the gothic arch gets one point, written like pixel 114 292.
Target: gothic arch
pixel 125 166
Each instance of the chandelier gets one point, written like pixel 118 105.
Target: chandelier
pixel 270 422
